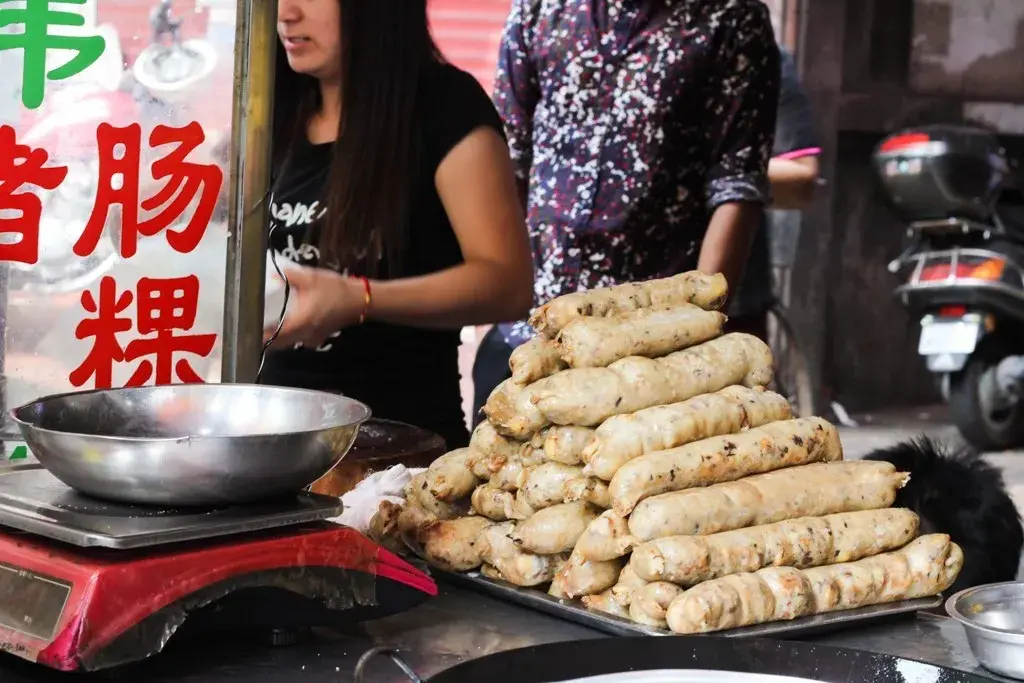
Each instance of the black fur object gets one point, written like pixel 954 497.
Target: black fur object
pixel 956 492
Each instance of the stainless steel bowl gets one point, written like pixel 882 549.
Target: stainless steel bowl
pixel 993 617
pixel 191 445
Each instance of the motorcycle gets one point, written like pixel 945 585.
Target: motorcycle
pixel 962 198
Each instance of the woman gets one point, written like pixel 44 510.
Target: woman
pixel 394 192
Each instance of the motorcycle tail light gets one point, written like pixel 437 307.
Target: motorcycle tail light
pixel 944 271
pixel 900 143
pixel 952 311
pixel 991 269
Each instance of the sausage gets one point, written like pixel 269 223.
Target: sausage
pixel 627 586
pixel 605 602
pixel 507 477
pixel 450 478
pixel 521 508
pixel 490 572
pixel 801 543
pixel 808 491
pixel 731 410
pixel 579 577
pixel 773 446
pixel 650 604
pixel 383 528
pixel 590 489
pixel 515 565
pixel 566 444
pixel 651 332
pixel 418 493
pixel 544 485
pixel 534 360
pixel 451 544
pixel 707 291
pixel 587 397
pixel 555 529
pixel 924 568
pixel 490 450
pixel 606 538
pixel 410 518
pixel 616 599
pixel 492 502
pixel 511 409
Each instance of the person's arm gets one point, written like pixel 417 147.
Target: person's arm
pixel 793 182
pixel 516 92
pixel 495 282
pixel 741 115
pixel 793 172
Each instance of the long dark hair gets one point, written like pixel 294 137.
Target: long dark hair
pixel 385 47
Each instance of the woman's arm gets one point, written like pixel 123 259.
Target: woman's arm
pixel 495 283
pixel 793 182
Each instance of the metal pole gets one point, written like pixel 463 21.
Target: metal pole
pixel 255 50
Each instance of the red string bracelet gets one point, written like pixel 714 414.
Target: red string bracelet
pixel 367 299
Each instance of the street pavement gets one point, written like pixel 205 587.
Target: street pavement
pixel 884 429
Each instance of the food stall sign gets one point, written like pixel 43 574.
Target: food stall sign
pixel 121 238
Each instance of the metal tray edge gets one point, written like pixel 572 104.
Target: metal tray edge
pixel 607 623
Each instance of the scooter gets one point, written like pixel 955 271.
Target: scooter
pixel 962 272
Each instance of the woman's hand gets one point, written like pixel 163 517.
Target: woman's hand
pixel 322 302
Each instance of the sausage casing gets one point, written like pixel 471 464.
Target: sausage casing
pixel 923 568
pixel 773 446
pixel 801 543
pixel 808 491
pixel 731 410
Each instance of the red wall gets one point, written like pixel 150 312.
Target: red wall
pixel 468 32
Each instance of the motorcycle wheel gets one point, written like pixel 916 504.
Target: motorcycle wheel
pixel 975 406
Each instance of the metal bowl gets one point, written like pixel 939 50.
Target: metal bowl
pixel 191 445
pixel 993 617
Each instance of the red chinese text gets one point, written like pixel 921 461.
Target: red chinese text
pixel 166 312
pixel 20 165
pixel 120 159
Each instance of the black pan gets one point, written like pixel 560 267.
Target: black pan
pixel 581 659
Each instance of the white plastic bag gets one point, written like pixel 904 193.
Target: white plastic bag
pixel 362 502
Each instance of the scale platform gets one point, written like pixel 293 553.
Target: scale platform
pixel 33 500
pixel 86 584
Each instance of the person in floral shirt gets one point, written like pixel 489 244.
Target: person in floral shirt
pixel 641 132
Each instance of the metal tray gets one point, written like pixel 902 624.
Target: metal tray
pixel 607 623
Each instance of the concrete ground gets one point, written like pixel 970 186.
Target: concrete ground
pixel 883 429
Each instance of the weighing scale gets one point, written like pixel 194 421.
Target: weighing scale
pixel 86 584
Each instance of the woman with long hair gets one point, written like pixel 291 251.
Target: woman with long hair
pixel 393 193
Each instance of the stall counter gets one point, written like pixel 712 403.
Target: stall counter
pixel 457 626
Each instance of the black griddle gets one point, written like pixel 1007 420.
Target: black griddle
pixel 573 660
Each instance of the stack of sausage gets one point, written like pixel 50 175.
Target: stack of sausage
pixel 635 462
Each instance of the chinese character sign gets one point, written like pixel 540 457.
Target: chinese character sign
pixel 140 184
pixel 165 310
pixel 36 39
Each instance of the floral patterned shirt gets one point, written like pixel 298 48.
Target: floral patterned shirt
pixel 630 122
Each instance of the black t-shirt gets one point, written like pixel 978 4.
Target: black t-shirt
pixel 794 131
pixel 403 373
